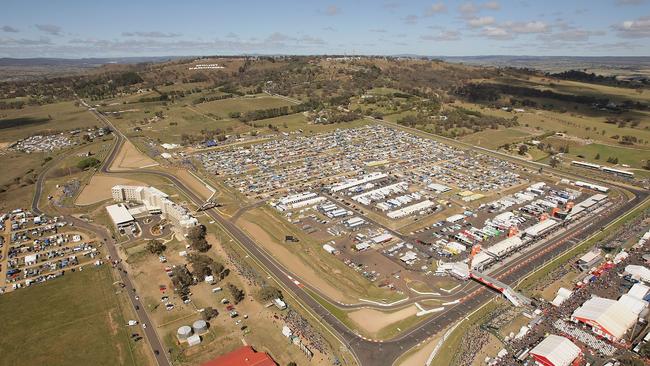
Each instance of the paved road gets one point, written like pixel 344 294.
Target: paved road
pixel 105 236
pixel 472 296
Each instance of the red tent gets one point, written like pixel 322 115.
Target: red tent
pixel 242 356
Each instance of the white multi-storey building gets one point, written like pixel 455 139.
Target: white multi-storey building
pixel 156 202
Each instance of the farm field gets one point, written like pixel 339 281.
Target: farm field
pixel 492 139
pixel 18 165
pixel 635 158
pixel 597 90
pixel 30 120
pixel 243 104
pixel 81 315
pixel 297 121
pixel 180 118
pixel 571 124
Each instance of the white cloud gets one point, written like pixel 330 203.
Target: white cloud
pixel 468 9
pixel 151 34
pixel 277 37
pixel 496 33
pixel 480 22
pixel 436 8
pixel 527 27
pixel 570 34
pixel 638 28
pixel 25 42
pixel 508 30
pixel 492 5
pixel 630 2
pixel 310 40
pixel 275 42
pixel 9 29
pixel 442 36
pixel 52 29
pixel 410 19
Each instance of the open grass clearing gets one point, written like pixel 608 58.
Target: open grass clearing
pixel 81 316
pixel 224 107
pixel 31 120
pixel 597 90
pixel 631 156
pixel 586 127
pixel 492 139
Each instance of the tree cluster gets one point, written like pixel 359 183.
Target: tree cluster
pixel 208 313
pixel 203 266
pixel 236 293
pixel 268 293
pixel 182 280
pixel 196 237
pixel 156 247
pixel 592 78
pixel 88 162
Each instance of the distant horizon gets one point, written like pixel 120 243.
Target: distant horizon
pixel 316 55
pixel 41 28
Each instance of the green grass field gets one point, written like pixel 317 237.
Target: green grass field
pixel 382 91
pixel 572 124
pixel 74 320
pixel 20 123
pixel 612 92
pixel 244 104
pixel 297 121
pixel 632 157
pixel 492 139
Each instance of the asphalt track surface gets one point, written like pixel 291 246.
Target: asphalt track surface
pixel 104 236
pixel 370 352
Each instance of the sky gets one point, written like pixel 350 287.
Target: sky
pixel 118 28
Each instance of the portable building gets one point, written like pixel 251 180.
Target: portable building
pixel 330 249
pixel 540 228
pixel 505 246
pixel 455 218
pixel 555 350
pixel 608 318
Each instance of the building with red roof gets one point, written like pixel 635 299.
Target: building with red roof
pixel 242 356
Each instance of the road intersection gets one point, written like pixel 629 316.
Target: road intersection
pixel 367 352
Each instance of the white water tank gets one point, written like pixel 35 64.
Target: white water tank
pixel 200 326
pixel 184 332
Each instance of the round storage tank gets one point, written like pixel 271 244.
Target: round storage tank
pixel 200 326
pixel 184 332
